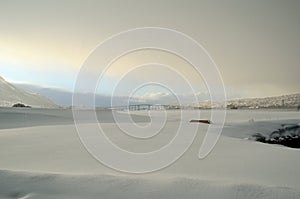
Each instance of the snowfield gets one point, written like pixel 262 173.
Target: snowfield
pixel 49 161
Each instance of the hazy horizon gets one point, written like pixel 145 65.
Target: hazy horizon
pixel 255 44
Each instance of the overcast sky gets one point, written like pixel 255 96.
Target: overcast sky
pixel 255 44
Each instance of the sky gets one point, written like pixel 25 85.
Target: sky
pixel 255 44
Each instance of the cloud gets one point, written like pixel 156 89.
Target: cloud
pixel 257 54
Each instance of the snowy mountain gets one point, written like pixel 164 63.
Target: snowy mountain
pixel 283 101
pixel 10 95
pixel 64 98
pixel 290 101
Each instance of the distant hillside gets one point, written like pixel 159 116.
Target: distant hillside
pixel 284 101
pixel 10 95
pixel 58 96
pixel 64 98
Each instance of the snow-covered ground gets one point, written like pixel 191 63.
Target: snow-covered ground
pixel 49 161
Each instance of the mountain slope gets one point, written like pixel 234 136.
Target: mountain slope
pixel 64 98
pixel 10 95
pixel 283 101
